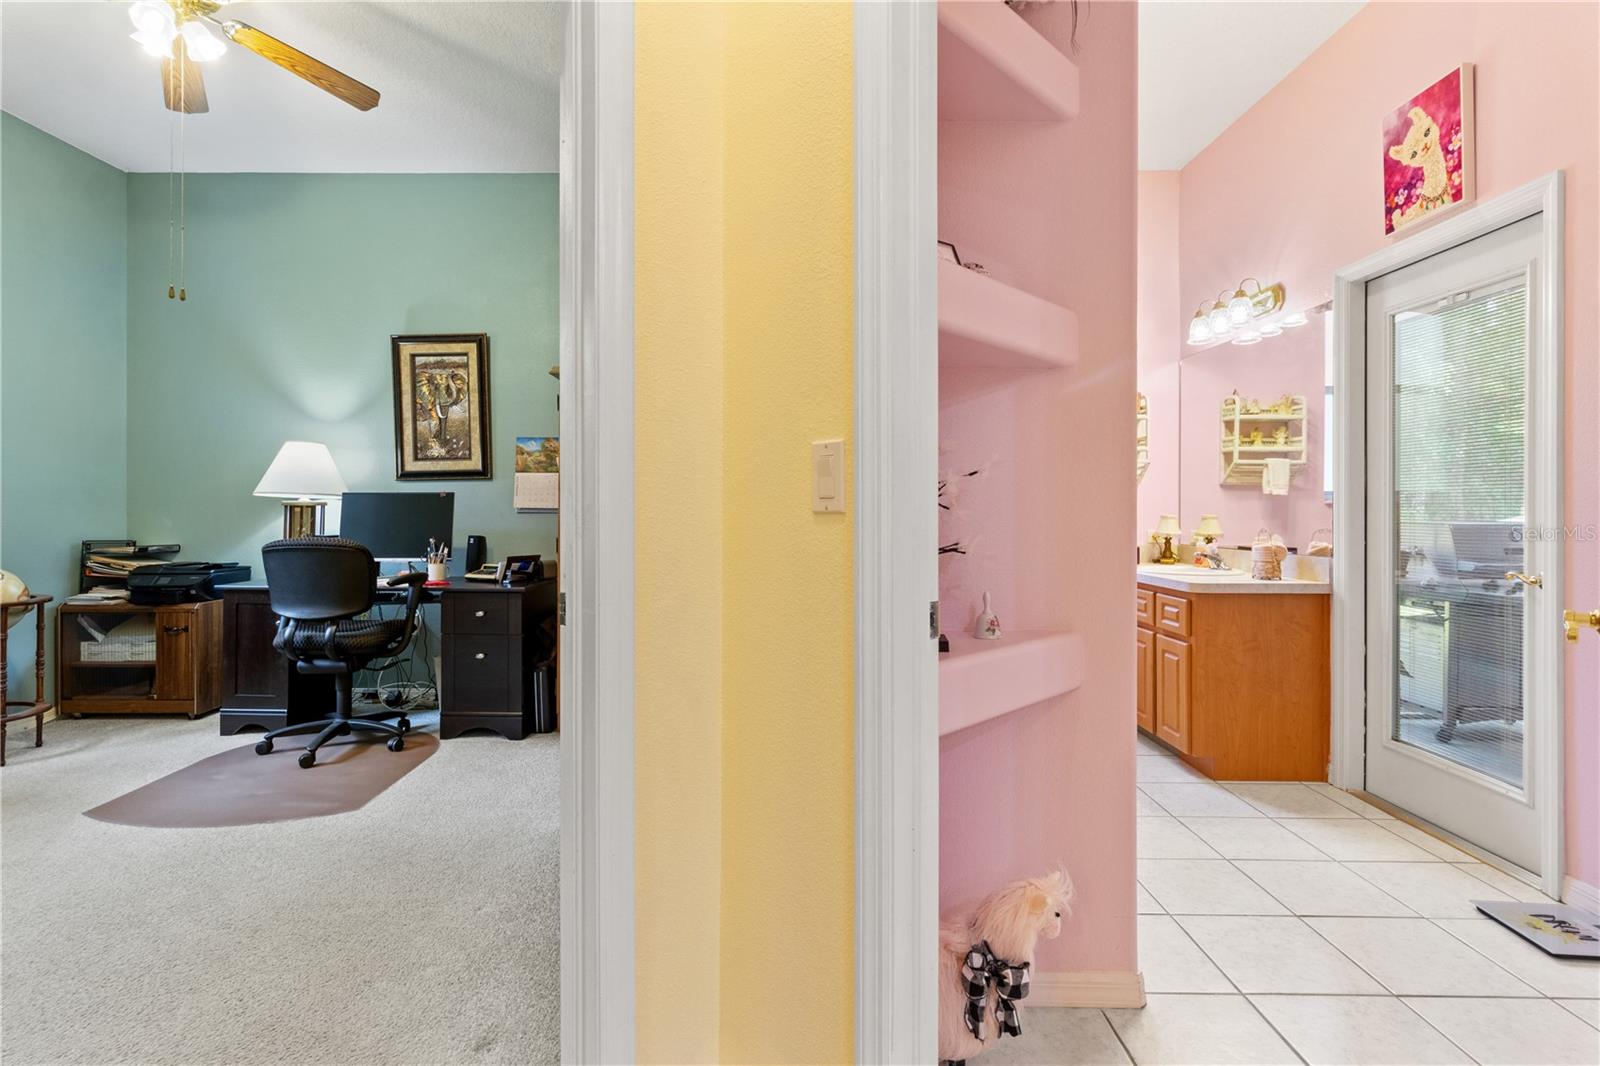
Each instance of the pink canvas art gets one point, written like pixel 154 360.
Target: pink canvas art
pixel 1427 152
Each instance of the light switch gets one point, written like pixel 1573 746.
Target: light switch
pixel 827 476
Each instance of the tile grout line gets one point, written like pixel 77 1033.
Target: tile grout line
pixel 1126 1050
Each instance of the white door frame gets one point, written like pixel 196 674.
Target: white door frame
pixel 1546 674
pixel 596 567
pixel 897 578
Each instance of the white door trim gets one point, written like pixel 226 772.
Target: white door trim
pixel 897 580
pixel 1543 195
pixel 596 568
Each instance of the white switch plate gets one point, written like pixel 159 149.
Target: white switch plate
pixel 827 476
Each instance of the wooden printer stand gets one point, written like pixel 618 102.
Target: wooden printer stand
pixel 124 658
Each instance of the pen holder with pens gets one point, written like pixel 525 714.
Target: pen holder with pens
pixel 438 573
pixel 438 563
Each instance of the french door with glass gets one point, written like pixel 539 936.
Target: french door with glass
pixel 1459 540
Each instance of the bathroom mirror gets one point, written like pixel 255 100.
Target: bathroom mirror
pixel 1183 432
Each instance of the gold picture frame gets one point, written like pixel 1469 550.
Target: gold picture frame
pixel 441 406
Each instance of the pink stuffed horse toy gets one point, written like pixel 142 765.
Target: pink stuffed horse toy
pixel 984 962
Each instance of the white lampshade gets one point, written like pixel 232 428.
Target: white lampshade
pixel 1199 329
pixel 302 470
pixel 1210 526
pixel 1221 324
pixel 1168 525
pixel 200 43
pixel 1239 308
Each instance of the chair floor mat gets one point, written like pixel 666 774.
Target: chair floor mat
pixel 239 787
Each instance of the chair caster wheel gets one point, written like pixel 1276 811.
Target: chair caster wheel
pixel 308 759
pixel 396 743
pixel 263 747
pixel 404 725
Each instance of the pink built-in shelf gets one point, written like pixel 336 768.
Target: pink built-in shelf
pixel 984 679
pixel 994 66
pixel 984 322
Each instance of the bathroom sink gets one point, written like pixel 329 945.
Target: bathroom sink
pixel 1189 572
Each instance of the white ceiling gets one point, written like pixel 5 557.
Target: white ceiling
pixel 1202 65
pixel 467 87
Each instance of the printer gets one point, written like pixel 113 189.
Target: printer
pixel 165 583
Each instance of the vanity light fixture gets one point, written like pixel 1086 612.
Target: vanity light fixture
pixel 1294 318
pixel 1235 311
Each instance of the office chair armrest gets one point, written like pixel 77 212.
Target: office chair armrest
pixel 413 581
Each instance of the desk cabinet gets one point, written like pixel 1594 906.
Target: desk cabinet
pixel 494 642
pixel 1237 684
pixel 124 658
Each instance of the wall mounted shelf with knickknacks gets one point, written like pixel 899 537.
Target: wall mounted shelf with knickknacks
pixel 1253 432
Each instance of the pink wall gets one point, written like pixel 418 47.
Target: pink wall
pixel 1051 208
pixel 1293 190
pixel 1159 348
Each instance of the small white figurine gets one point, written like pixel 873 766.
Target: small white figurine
pixel 987 627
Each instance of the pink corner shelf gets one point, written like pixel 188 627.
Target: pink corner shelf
pixel 984 679
pixel 986 323
pixel 993 66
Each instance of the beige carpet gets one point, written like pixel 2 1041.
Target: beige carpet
pixel 421 928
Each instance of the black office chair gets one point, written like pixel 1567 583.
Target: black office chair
pixel 318 585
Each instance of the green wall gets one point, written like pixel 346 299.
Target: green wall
pixel 123 413
pixel 63 363
pixel 295 283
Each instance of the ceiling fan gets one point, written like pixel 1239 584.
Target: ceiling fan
pixel 180 33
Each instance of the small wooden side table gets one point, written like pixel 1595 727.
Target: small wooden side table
pixel 37 707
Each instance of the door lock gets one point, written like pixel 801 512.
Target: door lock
pixel 1572 621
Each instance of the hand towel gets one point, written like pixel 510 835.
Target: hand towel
pixel 1275 477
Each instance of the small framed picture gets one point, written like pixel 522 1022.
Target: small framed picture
pixel 1428 152
pixel 441 406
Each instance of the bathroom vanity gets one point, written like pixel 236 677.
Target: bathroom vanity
pixel 1233 673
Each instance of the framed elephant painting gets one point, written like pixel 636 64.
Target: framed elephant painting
pixel 441 406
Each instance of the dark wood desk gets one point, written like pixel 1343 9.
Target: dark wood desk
pixel 492 639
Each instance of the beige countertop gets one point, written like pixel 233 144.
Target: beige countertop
pixel 1185 577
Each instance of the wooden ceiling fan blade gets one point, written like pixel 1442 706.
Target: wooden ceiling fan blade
pixel 359 96
pixel 181 84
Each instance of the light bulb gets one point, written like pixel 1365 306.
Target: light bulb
pixel 1220 323
pixel 156 43
pixel 1239 308
pixel 201 44
pixel 150 16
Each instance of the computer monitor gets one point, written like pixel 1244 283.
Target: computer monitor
pixel 398 525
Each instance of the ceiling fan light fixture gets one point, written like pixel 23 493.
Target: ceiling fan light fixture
pixel 152 16
pixel 155 43
pixel 201 44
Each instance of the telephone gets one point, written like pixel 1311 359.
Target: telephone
pixel 512 570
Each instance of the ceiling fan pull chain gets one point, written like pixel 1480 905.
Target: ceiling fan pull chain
pixel 172 217
pixel 183 184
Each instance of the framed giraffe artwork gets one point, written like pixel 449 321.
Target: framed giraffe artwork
pixel 441 406
pixel 1427 152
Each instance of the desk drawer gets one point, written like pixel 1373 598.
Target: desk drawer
pixel 1144 608
pixel 479 678
pixel 1172 615
pixel 479 612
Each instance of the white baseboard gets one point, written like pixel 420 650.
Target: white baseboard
pixel 1580 894
pixel 1088 988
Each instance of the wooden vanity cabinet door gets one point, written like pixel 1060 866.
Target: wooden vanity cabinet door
pixel 1172 691
pixel 1145 678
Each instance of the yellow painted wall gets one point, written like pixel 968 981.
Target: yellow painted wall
pixel 771 153
pixel 678 306
pixel 788 734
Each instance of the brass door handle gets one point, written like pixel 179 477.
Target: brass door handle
pixel 1536 580
pixel 1572 621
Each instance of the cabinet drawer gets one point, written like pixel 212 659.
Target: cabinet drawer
pixel 480 676
pixel 479 612
pixel 1144 608
pixel 1172 615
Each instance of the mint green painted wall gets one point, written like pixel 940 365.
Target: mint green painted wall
pixel 63 364
pixel 295 283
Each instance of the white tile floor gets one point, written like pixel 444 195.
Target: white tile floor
pixel 1289 923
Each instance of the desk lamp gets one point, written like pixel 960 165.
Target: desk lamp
pixel 304 477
